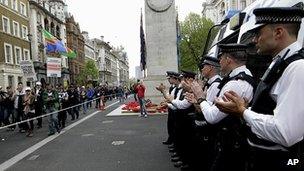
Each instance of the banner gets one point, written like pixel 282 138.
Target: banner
pixel 53 66
pixel 28 70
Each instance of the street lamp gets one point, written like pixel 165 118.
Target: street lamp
pixel 30 40
pixel 29 36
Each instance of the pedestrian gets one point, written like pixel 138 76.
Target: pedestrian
pixel 9 107
pixel 141 90
pixel 275 117
pixel 73 101
pixel 83 99
pixel 29 109
pixel 38 90
pixel 90 96
pixel 18 105
pixel 51 100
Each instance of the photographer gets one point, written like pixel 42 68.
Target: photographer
pixel 3 96
pixel 9 107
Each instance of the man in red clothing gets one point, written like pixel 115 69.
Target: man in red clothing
pixel 141 89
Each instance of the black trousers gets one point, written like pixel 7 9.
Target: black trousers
pixel 170 126
pixel 38 112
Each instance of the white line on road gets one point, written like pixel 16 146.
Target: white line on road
pixel 109 121
pixel 33 148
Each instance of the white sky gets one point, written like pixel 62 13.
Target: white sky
pixel 118 21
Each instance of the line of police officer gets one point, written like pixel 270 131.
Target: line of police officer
pixel 232 124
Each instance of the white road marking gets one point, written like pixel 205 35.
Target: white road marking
pixel 10 162
pixel 118 142
pixel 87 135
pixel 109 121
pixel 34 157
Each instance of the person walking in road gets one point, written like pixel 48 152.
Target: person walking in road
pixel 51 99
pixel 141 89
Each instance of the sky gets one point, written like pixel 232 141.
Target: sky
pixel 119 21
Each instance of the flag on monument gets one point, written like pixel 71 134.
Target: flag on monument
pixel 142 45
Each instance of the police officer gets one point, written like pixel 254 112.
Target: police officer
pixel 172 78
pixel 205 133
pixel 230 144
pixel 183 114
pixel 210 69
pixel 275 118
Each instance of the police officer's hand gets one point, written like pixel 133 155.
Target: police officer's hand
pixel 232 103
pixel 190 98
pixel 161 87
pixel 186 86
pixel 169 98
pixel 197 90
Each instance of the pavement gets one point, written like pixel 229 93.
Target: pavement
pixel 93 142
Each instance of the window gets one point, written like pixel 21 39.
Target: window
pixel 17 55
pixel 8 53
pixel 39 18
pixel 20 79
pixel 24 32
pixel 15 5
pixel 233 4
pixel 6 25
pixel 243 4
pixel 10 80
pixel 5 2
pixel 16 28
pixel 23 9
pixel 26 55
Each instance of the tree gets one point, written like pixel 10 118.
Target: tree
pixel 89 73
pixel 194 31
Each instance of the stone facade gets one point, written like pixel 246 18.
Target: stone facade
pixel 14 41
pixel 76 42
pixel 47 15
pixel 112 63
pixel 161 39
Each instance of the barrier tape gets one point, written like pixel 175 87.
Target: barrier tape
pixel 57 111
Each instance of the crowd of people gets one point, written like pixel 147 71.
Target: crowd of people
pixel 56 101
pixel 230 122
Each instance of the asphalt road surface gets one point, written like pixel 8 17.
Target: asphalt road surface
pixel 93 142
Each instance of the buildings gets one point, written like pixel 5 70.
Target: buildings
pixel 14 40
pixel 48 15
pixel 112 63
pixel 21 39
pixel 76 42
pixel 217 10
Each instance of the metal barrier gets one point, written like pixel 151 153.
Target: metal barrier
pixel 57 111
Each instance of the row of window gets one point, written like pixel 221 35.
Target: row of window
pixel 11 82
pixel 17 53
pixel 18 31
pixel 21 8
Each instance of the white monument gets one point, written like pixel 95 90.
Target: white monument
pixel 161 44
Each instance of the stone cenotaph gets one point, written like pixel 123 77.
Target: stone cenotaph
pixel 161 45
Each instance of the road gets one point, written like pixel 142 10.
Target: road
pixel 93 142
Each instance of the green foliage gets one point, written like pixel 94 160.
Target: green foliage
pixel 89 73
pixel 194 31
